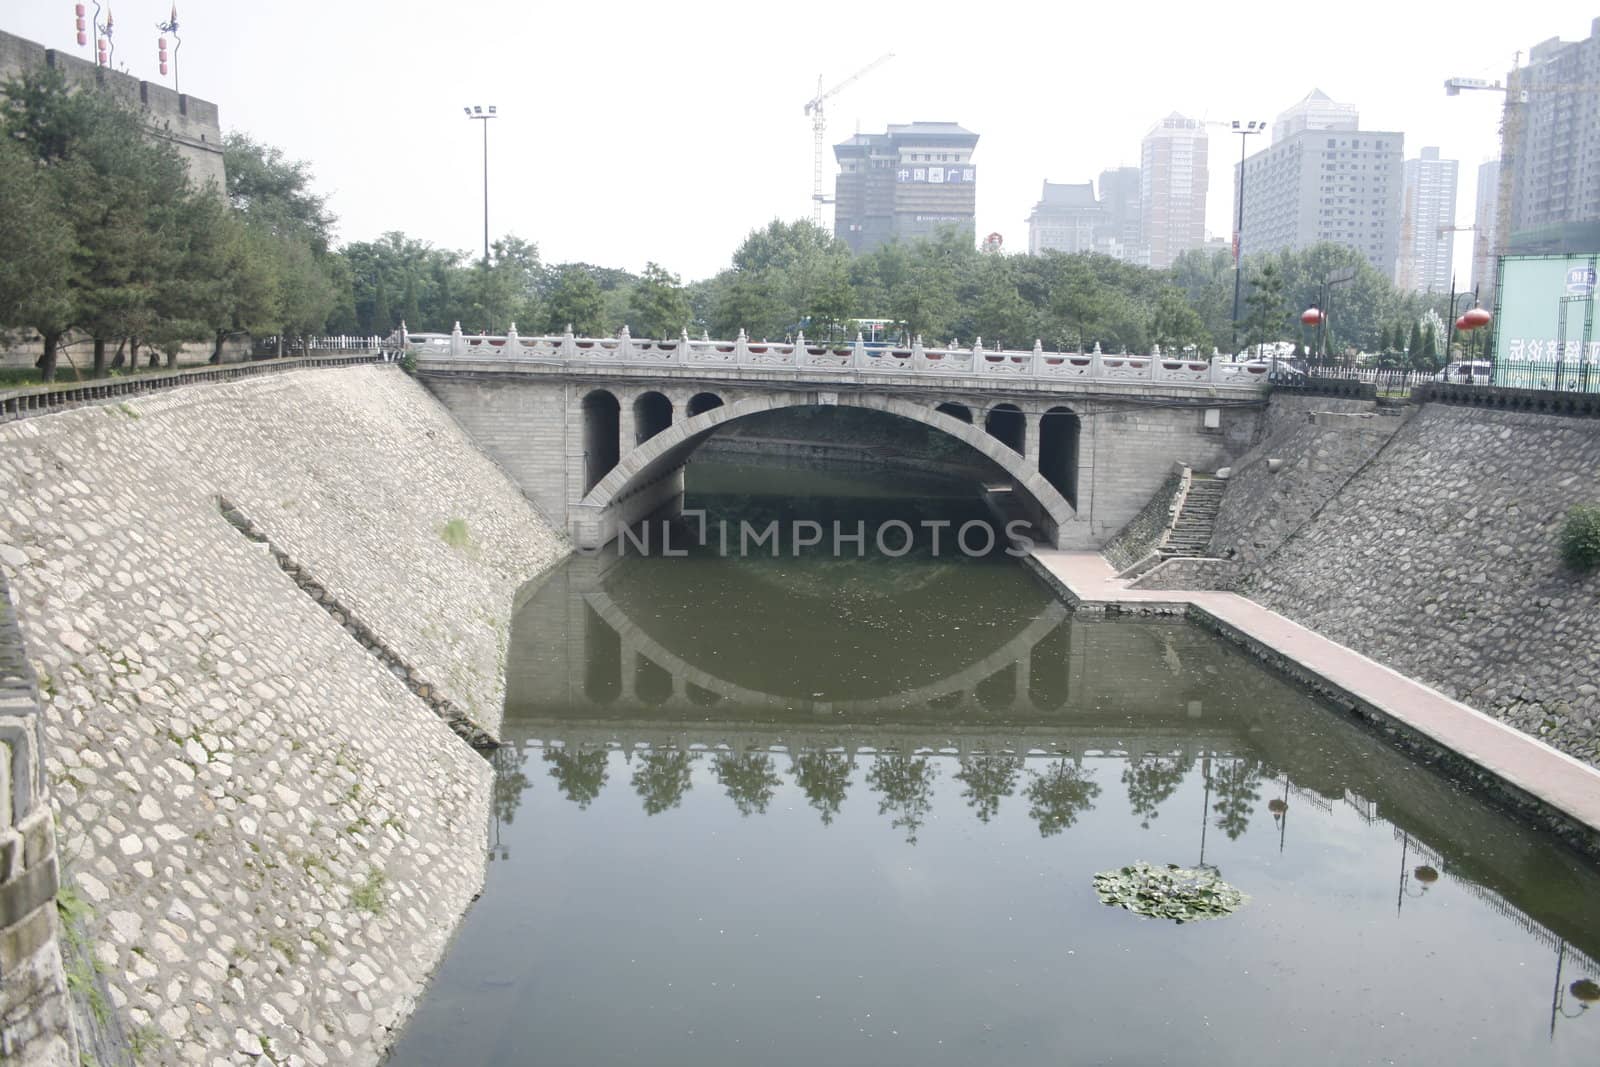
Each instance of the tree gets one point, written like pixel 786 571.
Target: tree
pixel 382 320
pixel 1414 348
pixel 35 268
pixel 1059 795
pixel 575 300
pixel 748 778
pixel 988 779
pixel 1430 349
pixel 823 777
pixel 1266 309
pixel 580 773
pixel 662 778
pixel 274 192
pixel 659 305
pixel 1175 323
pixel 906 785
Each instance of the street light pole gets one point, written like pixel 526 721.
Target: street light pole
pixel 1245 131
pixel 483 115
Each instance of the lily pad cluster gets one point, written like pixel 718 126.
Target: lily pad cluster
pixel 1181 894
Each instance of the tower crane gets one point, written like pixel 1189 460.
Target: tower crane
pixel 1516 96
pixel 819 126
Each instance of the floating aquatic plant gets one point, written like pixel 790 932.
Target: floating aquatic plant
pixel 1169 892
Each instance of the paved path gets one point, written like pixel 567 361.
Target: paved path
pixel 1526 764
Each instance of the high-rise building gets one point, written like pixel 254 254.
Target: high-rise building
pixel 1484 219
pixel 1172 188
pixel 1555 164
pixel 1427 224
pixel 1317 111
pixel 1066 219
pixel 904 184
pixel 1121 235
pixel 1324 179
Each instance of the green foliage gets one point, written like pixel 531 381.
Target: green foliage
pixel 371 895
pixel 1580 538
pixel 1169 892
pixel 575 300
pixel 660 306
pixel 454 533
pixel 1267 311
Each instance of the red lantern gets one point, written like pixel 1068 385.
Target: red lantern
pixel 83 38
pixel 1312 316
pixel 1461 323
pixel 163 68
pixel 1476 319
pixel 81 26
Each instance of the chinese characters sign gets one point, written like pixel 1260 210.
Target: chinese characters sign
pixel 936 173
pixel 1547 332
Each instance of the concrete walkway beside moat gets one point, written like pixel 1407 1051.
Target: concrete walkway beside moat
pixel 1520 768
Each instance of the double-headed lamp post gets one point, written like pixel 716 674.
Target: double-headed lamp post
pixel 1245 130
pixel 484 114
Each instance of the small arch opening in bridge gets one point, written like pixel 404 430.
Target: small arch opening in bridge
pixel 956 411
pixel 1050 669
pixel 701 403
pixel 1058 451
pixel 652 413
pixel 652 683
pixel 602 655
pixel 1007 425
pixel 998 692
pixel 601 425
pixel 702 697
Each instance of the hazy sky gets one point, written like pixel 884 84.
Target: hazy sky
pixel 666 131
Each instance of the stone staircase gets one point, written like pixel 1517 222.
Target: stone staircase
pixel 1191 534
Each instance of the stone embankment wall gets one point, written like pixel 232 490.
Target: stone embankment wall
pixel 35 1026
pixel 1145 530
pixel 1440 557
pixel 1318 445
pixel 272 833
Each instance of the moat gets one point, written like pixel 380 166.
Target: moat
pixel 813 810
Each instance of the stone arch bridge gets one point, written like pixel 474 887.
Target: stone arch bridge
pixel 597 431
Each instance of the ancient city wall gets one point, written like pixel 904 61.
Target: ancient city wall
pixel 1439 556
pixel 192 125
pixel 271 833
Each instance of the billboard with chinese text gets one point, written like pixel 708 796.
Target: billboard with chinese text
pixel 937 173
pixel 1546 333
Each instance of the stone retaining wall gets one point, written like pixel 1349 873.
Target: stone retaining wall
pixel 273 834
pixel 1146 530
pixel 1440 558
pixel 34 1016
pixel 1318 445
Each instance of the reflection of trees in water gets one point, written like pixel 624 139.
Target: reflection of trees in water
pixel 509 781
pixel 662 778
pixel 907 787
pixel 988 778
pixel 580 774
pixel 749 780
pixel 1235 785
pixel 1057 796
pixel 1151 779
pixel 823 777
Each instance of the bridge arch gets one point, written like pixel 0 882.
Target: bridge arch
pixel 701 403
pixel 1059 429
pixel 601 419
pixel 669 449
pixel 1007 424
pixel 652 413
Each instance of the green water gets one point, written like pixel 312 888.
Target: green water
pixel 819 811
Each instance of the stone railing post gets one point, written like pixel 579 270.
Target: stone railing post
pixel 458 344
pixel 569 344
pixel 513 344
pixel 859 357
pixel 741 347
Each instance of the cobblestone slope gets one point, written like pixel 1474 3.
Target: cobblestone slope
pixel 1441 559
pixel 273 834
